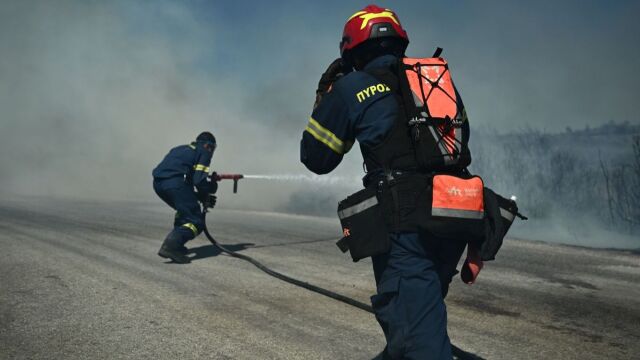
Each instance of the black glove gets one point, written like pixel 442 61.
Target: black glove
pixel 210 201
pixel 336 70
pixel 211 186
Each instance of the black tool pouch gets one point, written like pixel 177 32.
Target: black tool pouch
pixel 363 225
pixel 500 213
pixel 404 202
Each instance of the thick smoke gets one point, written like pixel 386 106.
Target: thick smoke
pixel 93 94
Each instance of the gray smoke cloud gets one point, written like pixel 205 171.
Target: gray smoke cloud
pixel 86 103
pixel 93 93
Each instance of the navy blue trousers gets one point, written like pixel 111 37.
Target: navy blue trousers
pixel 412 280
pixel 189 220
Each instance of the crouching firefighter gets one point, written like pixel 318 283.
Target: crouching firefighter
pixel 184 168
pixel 420 206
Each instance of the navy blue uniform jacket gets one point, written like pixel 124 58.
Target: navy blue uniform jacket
pixel 358 107
pixel 186 164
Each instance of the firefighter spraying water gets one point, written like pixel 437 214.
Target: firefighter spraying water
pixel 183 182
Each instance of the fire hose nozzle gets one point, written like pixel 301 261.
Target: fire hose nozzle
pixel 234 177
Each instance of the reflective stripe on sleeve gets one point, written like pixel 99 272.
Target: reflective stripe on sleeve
pixel 328 138
pixel 200 167
pixel 191 227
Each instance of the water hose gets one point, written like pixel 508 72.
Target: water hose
pixel 457 352
pixel 290 280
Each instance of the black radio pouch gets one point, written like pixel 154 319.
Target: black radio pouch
pixel 500 213
pixel 363 225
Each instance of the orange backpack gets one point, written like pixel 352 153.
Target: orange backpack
pixel 436 115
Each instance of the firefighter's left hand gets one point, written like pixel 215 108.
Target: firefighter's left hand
pixel 333 73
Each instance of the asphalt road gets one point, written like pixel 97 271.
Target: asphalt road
pixel 81 280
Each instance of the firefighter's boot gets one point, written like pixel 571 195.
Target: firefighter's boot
pixel 174 249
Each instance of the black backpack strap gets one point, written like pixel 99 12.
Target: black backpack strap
pixel 437 53
pixel 386 76
pixel 398 82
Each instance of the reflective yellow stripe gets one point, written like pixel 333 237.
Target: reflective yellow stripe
pixel 356 14
pixel 192 146
pixel 191 227
pixel 326 137
pixel 325 141
pixel 200 167
pixel 370 16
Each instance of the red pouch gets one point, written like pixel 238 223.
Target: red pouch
pixel 472 265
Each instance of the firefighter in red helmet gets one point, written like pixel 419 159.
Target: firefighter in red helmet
pixel 359 98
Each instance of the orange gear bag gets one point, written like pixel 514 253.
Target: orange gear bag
pixel 456 197
pixel 456 208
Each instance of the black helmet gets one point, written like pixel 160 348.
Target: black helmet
pixel 206 137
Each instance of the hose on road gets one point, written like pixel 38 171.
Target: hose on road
pixel 457 352
pixel 290 280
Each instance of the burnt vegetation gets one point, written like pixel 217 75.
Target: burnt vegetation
pixel 623 189
pixel 590 174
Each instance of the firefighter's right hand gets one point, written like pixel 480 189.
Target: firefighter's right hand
pixel 333 73
pixel 210 201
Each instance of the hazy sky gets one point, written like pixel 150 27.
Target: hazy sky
pixel 541 64
pixel 94 93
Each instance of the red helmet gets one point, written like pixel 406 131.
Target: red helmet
pixel 370 23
